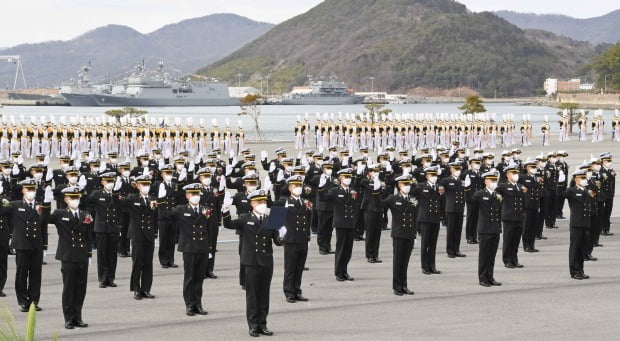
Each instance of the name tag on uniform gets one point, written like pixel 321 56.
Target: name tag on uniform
pixel 101 199
pixel 398 203
pixel 187 214
pixel 485 198
pixel 510 188
pixel 244 201
pixel 340 195
pixel 136 204
pixel 451 183
pixel 528 180
pixel 578 194
pixel 425 190
pixel 289 205
pixel 21 209
pixel 251 223
pixel 64 219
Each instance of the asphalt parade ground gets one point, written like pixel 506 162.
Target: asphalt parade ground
pixel 539 301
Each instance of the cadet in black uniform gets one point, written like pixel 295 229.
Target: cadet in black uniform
pixel 488 204
pixel 257 256
pixel 325 211
pixel 429 195
pixel 551 189
pixel 372 206
pixel 168 193
pixel 74 253
pixel 193 222
pixel 242 204
pixel 609 189
pixel 342 198
pixel 561 166
pixel 473 182
pixel 454 199
pixel 142 233
pixel 403 207
pixel 581 201
pixel 531 204
pixel 211 198
pixel 298 213
pixel 6 229
pixel 107 230
pixel 513 195
pixel 124 174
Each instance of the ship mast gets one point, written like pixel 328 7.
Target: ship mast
pixel 16 59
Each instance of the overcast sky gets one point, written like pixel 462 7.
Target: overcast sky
pixel 27 21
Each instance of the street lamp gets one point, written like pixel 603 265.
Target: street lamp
pixel 372 83
pixel 268 76
pixel 239 79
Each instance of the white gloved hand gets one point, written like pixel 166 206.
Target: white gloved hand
pixel 267 184
pixel 228 200
pixel 272 167
pixel 263 155
pixel 46 160
pixel 15 170
pixel 191 167
pixel 467 152
pixel 20 160
pixel 222 186
pixel 183 175
pixel 467 182
pixel 198 160
pixel 231 154
pixel 439 172
pixel 280 176
pixel 360 170
pixel 234 161
pixel 210 255
pixel 323 180
pixel 146 171
pixel 77 164
pixel 561 176
pixel 49 175
pixel 117 184
pixel 388 167
pixel 376 184
pixel 161 163
pixel 49 195
pixel 282 231
pixel 299 155
pixel 102 167
pixel 82 182
pixel 162 191
pixel 1 187
pixel 229 170
pixel 345 161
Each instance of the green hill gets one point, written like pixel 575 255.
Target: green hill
pixel 403 44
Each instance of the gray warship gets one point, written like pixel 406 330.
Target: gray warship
pixel 323 92
pixel 154 88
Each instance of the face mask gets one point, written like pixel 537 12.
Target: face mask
pixel 251 172
pixel 328 172
pixel 206 181
pixel 113 160
pixel 157 156
pixel 261 208
pixel 514 177
pixel 250 188
pixel 64 165
pixel 476 166
pixel 126 174
pixel 144 163
pixel 457 173
pixel 297 191
pixel 109 186
pixel 460 155
pixel 167 178
pixel 588 175
pixel 432 179
pixel 583 182
pixel 597 167
pixel 73 204
pixel 319 162
pixel 334 154
pixel 38 176
pixel 426 164
pixel 552 160
pixel 219 156
pixel 6 171
pixel 346 181
pixel 288 169
pixel 489 162
pixel 406 170
pixel 608 165
pixel 532 171
pixel 179 166
pixel 391 154
pixel 493 186
pixel 145 190
pixel 405 189
pixel 194 199
pixel 543 164
pixel 30 195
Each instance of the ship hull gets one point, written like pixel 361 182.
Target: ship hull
pixel 79 100
pixel 323 100
pixel 98 100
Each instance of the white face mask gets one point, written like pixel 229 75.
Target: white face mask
pixel 514 177
pixel 74 204
pixel 328 172
pixel 426 164
pixel 109 186
pixel 319 162
pixel 588 175
pixel 126 173
pixel 476 166
pixel 206 181
pixel 457 173
pixel 608 165
pixel 38 176
pixel 6 171
pixel 597 167
pixel 145 190
pixel 194 199
pixel 489 162
pixel 405 189
pixel 64 165
pixel 261 208
pixel 297 191
pixel 144 163
pixel 432 179
pixel 543 164
pixel 251 172
pixel 251 188
pixel 552 160
pixel 29 195
pixel 218 156
pixel 532 171
pixel 179 166
pixel 583 182
pixel 157 156
pixel 288 169
pixel 406 170
pixel 493 186
pixel 113 160
pixel 346 181
pixel 167 178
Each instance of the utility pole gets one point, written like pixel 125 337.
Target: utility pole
pixel 372 84
pixel 239 79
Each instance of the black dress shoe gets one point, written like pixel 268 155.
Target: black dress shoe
pixel 460 255
pixel 242 287
pixel 485 284
pixel 584 276
pixel 211 275
pixel 518 265
pixel 301 298
pixel 44 263
pixel 147 294
pixel 291 299
pixel 542 237
pixel 377 260
pixel 254 333
pixel 200 310
pixel 173 265
pixel 509 265
pixel 37 308
pixel 323 252
pixel 102 285
pixel 370 260
pixel 137 295
pixel 340 278
pixel 111 284
pixel 407 291
pixel 348 278
pixel 80 324
pixel 472 242
pixel 398 293
pixel 590 258
pixel 69 325
pixel 2 294
pixel 451 255
pixel 23 308
pixel 598 245
pixel 165 266
pixel 306 268
pixel 576 276
pixel 426 272
pixel 435 271
pixel 189 311
pixel 265 331
pixel 495 283
pixel 123 255
pixel 331 252
pixel 531 250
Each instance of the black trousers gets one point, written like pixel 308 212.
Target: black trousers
pixel 470 223
pixel 560 198
pixel 294 262
pixel 74 279
pixel 214 230
pixel 194 265
pixel 4 258
pixel 401 249
pixel 530 228
pixel 549 203
pixel 598 222
pixel 430 232
pixel 454 224
pixel 142 267
pixel 540 218
pixel 107 244
pixel 587 240
pixel 486 256
pixel 123 242
pixel 28 265
pixel 325 230
pixel 168 232
pixel 577 250
pixel 241 266
pixel 512 237
pixel 360 226
pixel 374 225
pixel 344 249
pixel 257 284
pixel 606 221
pixel 314 221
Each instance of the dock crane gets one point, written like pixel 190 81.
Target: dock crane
pixel 16 59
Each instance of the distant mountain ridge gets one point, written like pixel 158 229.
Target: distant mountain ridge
pixel 603 29
pixel 114 49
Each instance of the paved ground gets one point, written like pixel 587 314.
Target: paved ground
pixel 539 301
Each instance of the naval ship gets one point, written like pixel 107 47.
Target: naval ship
pixel 323 92
pixel 145 88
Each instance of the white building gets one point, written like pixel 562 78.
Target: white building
pixel 551 86
pixel 242 91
